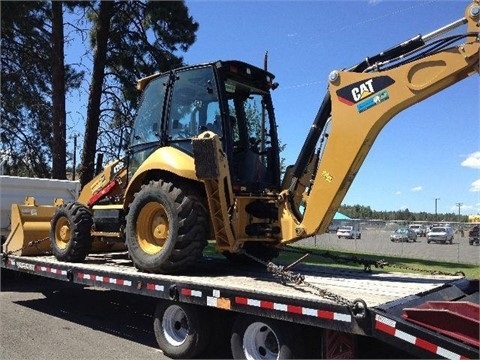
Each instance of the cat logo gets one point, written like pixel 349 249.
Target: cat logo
pixel 360 90
pixel 363 91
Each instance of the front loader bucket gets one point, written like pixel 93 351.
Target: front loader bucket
pixel 30 224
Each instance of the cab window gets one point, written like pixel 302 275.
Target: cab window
pixel 194 107
pixel 147 123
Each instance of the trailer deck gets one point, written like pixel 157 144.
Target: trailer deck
pixel 375 288
pixel 221 284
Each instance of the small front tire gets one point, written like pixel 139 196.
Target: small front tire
pixel 70 232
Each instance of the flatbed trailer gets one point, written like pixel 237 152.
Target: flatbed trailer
pixel 333 313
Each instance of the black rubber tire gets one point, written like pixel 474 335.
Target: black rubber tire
pixel 182 330
pixel 70 232
pixel 261 338
pixel 173 228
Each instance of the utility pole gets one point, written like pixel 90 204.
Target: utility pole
pixel 436 200
pixel 74 155
pixel 459 204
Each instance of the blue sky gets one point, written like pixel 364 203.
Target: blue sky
pixel 431 150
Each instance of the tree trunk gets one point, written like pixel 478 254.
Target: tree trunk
pixel 102 32
pixel 59 156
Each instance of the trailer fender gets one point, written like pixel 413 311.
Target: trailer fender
pixel 182 330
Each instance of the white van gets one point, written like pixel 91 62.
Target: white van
pixel 349 231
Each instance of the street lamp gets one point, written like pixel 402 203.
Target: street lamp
pixel 459 204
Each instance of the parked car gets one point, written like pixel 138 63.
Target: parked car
pixel 403 235
pixel 349 232
pixel 473 235
pixel 419 229
pixel 442 234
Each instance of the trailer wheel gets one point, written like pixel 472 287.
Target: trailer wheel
pixel 182 330
pixel 70 232
pixel 166 228
pixel 259 338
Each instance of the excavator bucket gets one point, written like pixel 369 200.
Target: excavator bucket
pixel 30 229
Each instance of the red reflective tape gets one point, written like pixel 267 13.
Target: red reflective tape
pixel 385 328
pixel 325 314
pixel 294 309
pixel 186 292
pixel 266 304
pixel 241 300
pixel 426 345
pixel 150 286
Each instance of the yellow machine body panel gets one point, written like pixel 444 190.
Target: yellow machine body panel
pixel 167 159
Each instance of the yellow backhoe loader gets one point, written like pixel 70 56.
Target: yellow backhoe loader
pixel 203 161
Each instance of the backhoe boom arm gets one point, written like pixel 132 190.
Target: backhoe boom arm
pixel 359 103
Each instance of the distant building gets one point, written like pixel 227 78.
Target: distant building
pixel 474 218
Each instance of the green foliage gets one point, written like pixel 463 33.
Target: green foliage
pixel 26 87
pixel 365 212
pixel 145 38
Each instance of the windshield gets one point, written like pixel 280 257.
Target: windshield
pixel 147 123
pixel 346 228
pixel 437 230
pixel 194 107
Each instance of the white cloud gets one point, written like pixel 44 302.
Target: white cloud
pixel 472 160
pixel 398 193
pixel 417 188
pixel 475 186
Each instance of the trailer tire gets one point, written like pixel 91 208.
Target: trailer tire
pixel 263 338
pixel 182 330
pixel 70 230
pixel 166 228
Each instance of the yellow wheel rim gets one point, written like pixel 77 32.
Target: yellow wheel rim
pixel 62 233
pixel 152 228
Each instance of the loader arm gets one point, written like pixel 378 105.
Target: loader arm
pixel 359 103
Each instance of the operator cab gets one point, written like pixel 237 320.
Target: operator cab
pixel 231 99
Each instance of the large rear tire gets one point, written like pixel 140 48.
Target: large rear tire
pixel 70 232
pixel 166 228
pixel 182 330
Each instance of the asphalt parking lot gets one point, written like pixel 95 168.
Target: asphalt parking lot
pixel 378 242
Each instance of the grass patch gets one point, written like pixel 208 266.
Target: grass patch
pixel 397 264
